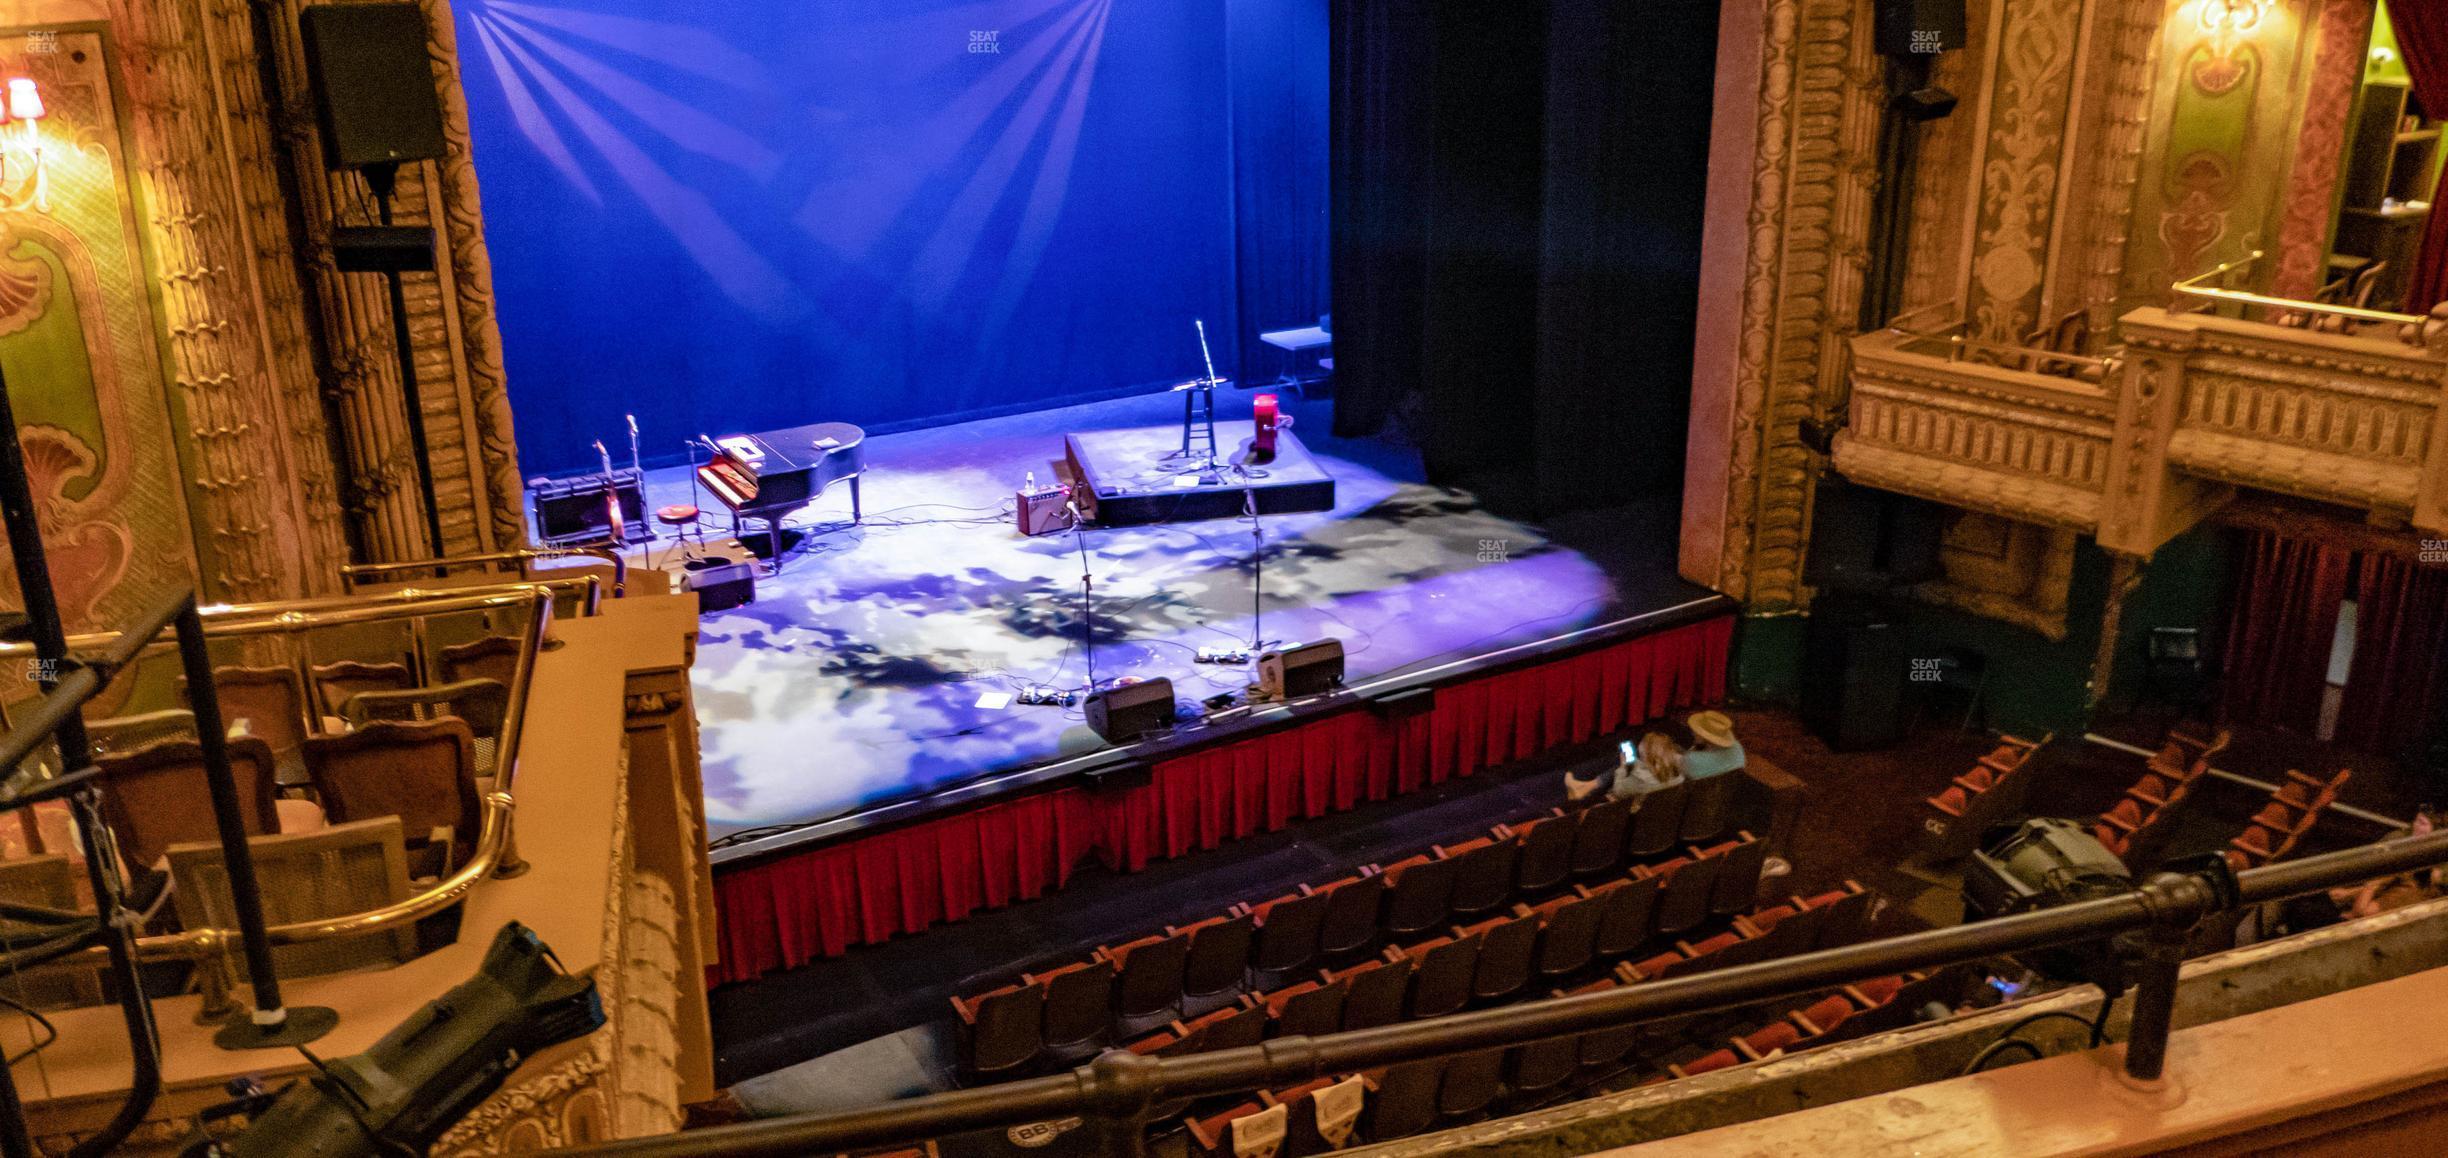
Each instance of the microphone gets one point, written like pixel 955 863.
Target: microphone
pixel 605 455
pixel 632 424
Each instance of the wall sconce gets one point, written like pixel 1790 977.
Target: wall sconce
pixel 2232 17
pixel 25 103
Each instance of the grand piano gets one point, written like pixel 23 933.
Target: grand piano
pixel 765 477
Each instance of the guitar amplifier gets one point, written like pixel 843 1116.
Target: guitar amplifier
pixel 1125 712
pixel 1044 511
pixel 1302 670
pixel 574 510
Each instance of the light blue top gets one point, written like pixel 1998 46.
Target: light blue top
pixel 1702 763
pixel 1634 779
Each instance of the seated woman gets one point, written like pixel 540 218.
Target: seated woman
pixel 1658 764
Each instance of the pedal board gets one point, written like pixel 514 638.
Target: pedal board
pixel 1045 696
pixel 1224 655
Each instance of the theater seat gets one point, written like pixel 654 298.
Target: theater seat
pixel 1483 874
pixel 1706 1063
pixel 1768 1039
pixel 1951 802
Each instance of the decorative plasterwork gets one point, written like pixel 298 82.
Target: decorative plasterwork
pixel 1809 218
pixel 2006 494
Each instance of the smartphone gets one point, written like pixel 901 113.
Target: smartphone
pixel 1626 749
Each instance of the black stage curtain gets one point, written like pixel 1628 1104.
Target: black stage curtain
pixel 1517 198
pixel 1279 130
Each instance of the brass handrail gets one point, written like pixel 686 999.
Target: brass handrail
pixel 291 616
pixel 2190 287
pixel 494 852
pixel 354 573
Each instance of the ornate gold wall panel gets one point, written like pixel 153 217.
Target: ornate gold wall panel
pixel 2021 165
pixel 2342 30
pixel 1803 260
pixel 78 339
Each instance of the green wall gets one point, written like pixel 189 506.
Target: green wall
pixel 2035 685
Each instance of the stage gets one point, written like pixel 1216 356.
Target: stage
pixel 849 693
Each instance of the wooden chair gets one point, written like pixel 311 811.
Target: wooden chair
pixel 307 876
pixel 1710 807
pixel 424 773
pixel 1149 986
pixel 1441 972
pixel 1078 1018
pixel 1376 992
pixel 1506 946
pixel 1684 900
pixel 481 703
pixel 1287 938
pixel 158 796
pixel 334 683
pixel 1568 932
pixel 270 703
pixel 1738 879
pixel 1001 1032
pixel 1472 1082
pixel 1403 1099
pixel 494 657
pixel 1598 838
pixel 1216 969
pixel 1483 873
pixel 1631 913
pixel 1233 1027
pixel 1352 908
pixel 1658 823
pixel 1546 853
pixel 1309 1009
pixel 1420 895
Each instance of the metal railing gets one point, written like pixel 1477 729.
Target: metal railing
pixel 1119 1089
pixel 2196 287
pixel 494 852
pixel 1953 344
pixel 356 573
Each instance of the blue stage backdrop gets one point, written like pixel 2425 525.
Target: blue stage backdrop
pixel 738 216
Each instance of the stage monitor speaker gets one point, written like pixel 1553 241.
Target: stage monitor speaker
pixel 374 88
pixel 574 511
pixel 1125 712
pixel 1854 659
pixel 1306 669
pixel 721 582
pixel 1919 27
pixel 1866 539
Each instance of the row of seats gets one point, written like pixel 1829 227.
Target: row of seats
pixel 271 703
pixel 2291 811
pixel 423 773
pixel 1331 957
pixel 1329 1113
pixel 1991 793
pixel 1190 969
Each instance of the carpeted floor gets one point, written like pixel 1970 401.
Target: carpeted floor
pixel 855 678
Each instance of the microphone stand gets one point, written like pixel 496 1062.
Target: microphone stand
pixel 1079 536
pixel 1258 639
pixel 638 468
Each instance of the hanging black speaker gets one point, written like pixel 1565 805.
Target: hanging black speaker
pixel 373 84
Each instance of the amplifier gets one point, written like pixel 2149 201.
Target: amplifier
pixel 1125 712
pixel 1301 670
pixel 573 510
pixel 1043 511
pixel 721 583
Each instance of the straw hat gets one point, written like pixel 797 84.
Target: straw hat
pixel 1713 728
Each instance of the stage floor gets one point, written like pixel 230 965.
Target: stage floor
pixel 854 680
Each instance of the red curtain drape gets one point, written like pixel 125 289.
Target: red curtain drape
pixel 2422 40
pixel 2401 642
pixel 2282 621
pixel 808 905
